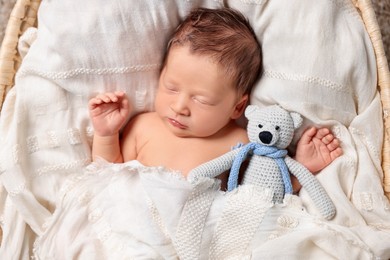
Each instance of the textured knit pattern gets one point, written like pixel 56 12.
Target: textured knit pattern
pixel 272 127
pixel 260 150
pixel 313 187
pixel 240 219
pixel 190 228
pixel 280 124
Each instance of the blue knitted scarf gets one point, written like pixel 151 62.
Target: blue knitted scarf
pixel 262 150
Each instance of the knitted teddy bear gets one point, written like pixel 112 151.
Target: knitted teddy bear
pixel 270 131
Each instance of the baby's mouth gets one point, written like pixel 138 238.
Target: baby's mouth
pixel 176 123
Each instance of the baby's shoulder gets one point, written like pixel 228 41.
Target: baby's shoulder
pixel 141 122
pixel 145 119
pixel 240 134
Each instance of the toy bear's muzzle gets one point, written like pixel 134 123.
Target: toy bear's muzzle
pixel 265 137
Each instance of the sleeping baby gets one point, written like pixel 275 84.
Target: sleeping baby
pixel 137 201
pixel 212 62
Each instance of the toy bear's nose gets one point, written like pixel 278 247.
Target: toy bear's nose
pixel 265 137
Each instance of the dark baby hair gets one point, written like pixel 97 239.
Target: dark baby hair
pixel 227 37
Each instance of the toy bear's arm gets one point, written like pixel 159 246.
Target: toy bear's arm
pixel 313 187
pixel 213 168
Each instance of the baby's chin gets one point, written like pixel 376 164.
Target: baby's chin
pixel 188 133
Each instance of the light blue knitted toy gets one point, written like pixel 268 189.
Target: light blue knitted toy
pixel 270 131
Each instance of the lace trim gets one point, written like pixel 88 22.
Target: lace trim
pixel 350 241
pixel 369 201
pixel 303 78
pixel 85 71
pixel 252 2
pixel 16 150
pixel 286 225
pixel 157 218
pixel 19 189
pixel 68 166
pixel 52 139
pixel 32 144
pixel 74 136
pixel 366 140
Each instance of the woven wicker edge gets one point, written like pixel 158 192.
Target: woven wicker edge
pixel 24 15
pixel 371 23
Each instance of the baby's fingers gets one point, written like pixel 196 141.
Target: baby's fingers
pixel 336 153
pixel 107 97
pixel 324 134
pixel 334 144
pixel 308 135
pixel 104 98
pixel 328 139
pixel 94 102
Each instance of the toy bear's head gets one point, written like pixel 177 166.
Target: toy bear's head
pixel 272 125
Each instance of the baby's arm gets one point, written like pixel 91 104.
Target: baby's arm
pixel 108 113
pixel 317 148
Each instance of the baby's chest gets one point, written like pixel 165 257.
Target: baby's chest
pixel 183 156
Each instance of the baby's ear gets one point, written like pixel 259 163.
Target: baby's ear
pixel 250 111
pixel 297 119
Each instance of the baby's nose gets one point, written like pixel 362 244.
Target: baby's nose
pixel 180 106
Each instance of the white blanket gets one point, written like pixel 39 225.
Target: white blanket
pixel 318 61
pixel 129 211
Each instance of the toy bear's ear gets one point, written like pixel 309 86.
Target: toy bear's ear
pixel 297 118
pixel 250 110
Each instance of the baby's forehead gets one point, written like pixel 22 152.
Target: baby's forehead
pixel 228 73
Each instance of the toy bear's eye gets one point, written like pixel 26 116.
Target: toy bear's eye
pixel 277 128
pixel 260 126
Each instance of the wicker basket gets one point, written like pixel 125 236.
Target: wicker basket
pixel 24 15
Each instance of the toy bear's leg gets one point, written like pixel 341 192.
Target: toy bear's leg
pixel 310 183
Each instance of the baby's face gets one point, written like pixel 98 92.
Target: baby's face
pixel 195 98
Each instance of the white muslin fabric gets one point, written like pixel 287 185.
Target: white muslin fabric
pixel 129 211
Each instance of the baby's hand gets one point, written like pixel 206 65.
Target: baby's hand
pixel 317 148
pixel 108 112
